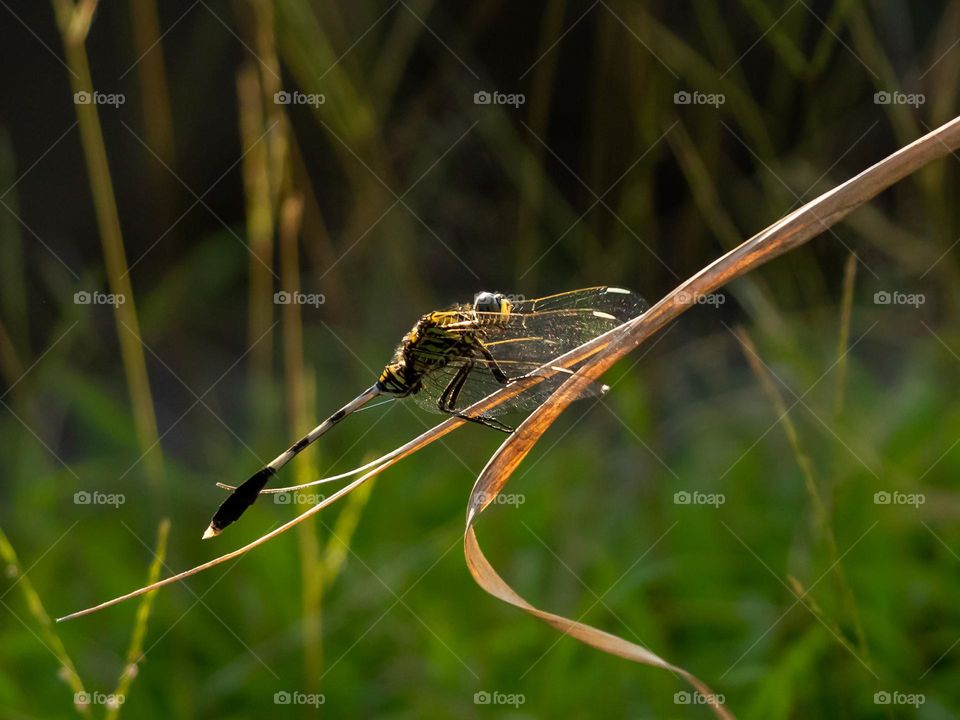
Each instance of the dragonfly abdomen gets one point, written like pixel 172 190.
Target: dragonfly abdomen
pixel 394 380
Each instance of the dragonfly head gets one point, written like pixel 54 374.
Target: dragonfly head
pixel 491 302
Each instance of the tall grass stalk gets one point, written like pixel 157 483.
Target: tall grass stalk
pixel 74 23
pixel 295 382
pixel 135 651
pixel 13 273
pixel 751 291
pixel 843 340
pixel 260 226
pixel 821 515
pixel 336 549
pixel 10 365
pixel 48 636
pixel 154 92
pixel 531 173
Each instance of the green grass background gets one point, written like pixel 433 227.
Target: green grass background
pixel 372 604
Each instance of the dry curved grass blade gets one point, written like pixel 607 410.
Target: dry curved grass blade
pixel 376 467
pixel 411 447
pixel 786 234
pixel 597 356
pixel 493 478
pixel 489 580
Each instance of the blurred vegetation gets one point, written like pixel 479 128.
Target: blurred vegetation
pixel 798 596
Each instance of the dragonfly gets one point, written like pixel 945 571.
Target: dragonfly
pixel 451 359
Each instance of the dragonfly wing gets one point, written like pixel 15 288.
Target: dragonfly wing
pixel 534 333
pixel 481 382
pixel 622 304
pixel 542 329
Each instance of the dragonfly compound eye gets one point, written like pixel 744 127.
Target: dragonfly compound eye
pixel 490 302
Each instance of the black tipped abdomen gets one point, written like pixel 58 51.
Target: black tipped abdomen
pixel 241 498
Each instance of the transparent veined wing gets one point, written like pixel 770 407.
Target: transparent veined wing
pixel 619 302
pixel 541 329
pixel 535 332
pixel 468 380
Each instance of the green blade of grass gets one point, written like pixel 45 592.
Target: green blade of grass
pixel 49 637
pixel 135 651
pixel 822 522
pixel 74 23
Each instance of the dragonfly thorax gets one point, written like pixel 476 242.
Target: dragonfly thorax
pixel 436 340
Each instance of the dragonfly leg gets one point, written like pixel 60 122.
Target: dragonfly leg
pixel 448 401
pixel 498 374
pixel 495 369
pixel 486 421
pixel 448 398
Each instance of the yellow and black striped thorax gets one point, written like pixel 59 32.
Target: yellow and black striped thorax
pixel 440 337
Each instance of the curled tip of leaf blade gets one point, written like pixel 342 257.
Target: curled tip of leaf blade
pixel 488 578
